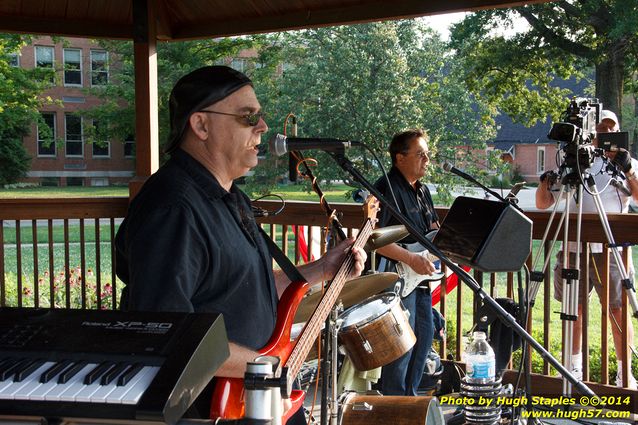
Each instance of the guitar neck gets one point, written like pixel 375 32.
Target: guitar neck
pixel 318 317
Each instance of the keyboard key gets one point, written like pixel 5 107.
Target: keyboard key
pixel 70 372
pixel 113 373
pixel 56 368
pixel 130 373
pixel 100 370
pixel 28 369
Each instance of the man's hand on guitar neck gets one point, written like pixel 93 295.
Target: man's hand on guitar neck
pixel 334 257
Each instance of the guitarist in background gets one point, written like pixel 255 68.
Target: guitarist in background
pixel 409 152
pixel 190 242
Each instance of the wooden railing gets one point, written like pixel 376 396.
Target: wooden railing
pixel 59 253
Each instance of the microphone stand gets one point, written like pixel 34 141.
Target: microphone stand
pixel 500 312
pixel 507 200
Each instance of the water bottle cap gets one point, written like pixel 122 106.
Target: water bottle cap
pixel 479 335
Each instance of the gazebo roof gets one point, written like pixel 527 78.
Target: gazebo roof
pixel 187 19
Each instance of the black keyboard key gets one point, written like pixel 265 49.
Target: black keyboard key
pixel 27 370
pixel 71 371
pixel 130 373
pixel 113 373
pixel 12 367
pixel 99 370
pixel 51 372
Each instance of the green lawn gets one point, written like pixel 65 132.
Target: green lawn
pixel 63 192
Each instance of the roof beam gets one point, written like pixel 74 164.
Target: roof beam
pixel 359 13
pixel 48 26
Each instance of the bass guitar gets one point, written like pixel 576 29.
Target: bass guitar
pixel 228 394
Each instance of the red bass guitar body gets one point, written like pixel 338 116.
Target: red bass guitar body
pixel 228 395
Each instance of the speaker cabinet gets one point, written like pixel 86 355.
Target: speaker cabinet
pixel 489 236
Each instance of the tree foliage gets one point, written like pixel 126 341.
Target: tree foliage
pixel 564 39
pixel 20 100
pixel 367 82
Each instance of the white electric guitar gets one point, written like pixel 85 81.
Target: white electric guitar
pixel 411 279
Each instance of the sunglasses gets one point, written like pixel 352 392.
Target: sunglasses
pixel 250 119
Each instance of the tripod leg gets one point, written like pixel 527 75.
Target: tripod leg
pixel 629 290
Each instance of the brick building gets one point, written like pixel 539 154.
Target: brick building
pixel 79 64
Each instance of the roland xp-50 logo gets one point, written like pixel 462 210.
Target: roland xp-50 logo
pixel 131 325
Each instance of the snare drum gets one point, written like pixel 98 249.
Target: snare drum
pixel 376 332
pixel 360 409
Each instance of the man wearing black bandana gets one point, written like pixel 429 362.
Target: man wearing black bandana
pixel 409 153
pixel 190 242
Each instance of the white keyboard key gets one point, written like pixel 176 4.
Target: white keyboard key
pixel 10 392
pixel 57 391
pixel 135 393
pixel 121 391
pixel 34 383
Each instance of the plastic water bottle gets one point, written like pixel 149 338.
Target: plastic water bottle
pixel 480 360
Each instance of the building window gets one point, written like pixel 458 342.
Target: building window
pixel 73 135
pixel 239 64
pixel 129 147
pixel 44 57
pixel 99 68
pixel 14 60
pixel 101 146
pixel 46 135
pixel 540 160
pixel 75 181
pixel 72 67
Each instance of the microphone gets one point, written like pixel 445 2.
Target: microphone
pixel 452 169
pixel 280 144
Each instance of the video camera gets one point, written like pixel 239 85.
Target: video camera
pixel 577 131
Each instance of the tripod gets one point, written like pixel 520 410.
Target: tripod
pixel 572 184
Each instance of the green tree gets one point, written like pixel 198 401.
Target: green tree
pixel 563 39
pixel 20 100
pixel 367 82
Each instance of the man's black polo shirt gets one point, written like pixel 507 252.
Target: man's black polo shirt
pixel 189 245
pixel 415 203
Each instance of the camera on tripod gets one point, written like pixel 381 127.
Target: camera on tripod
pixel 577 131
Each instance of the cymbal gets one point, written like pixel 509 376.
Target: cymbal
pixel 354 291
pixel 384 236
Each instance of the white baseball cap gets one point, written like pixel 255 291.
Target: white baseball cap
pixel 606 114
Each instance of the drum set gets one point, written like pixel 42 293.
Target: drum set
pixel 369 326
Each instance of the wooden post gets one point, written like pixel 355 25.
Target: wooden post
pixel 146 109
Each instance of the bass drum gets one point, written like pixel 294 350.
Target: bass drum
pixel 360 409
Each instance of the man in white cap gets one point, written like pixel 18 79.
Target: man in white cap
pixel 614 200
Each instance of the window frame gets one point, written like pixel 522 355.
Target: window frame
pixel 64 62
pixel 540 168
pixel 106 67
pixel 93 146
pixel 39 140
pixel 66 137
pixel 36 63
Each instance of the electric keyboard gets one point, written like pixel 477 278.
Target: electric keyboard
pixel 107 365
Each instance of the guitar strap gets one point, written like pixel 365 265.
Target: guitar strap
pixel 284 262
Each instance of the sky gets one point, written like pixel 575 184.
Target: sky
pixel 441 23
